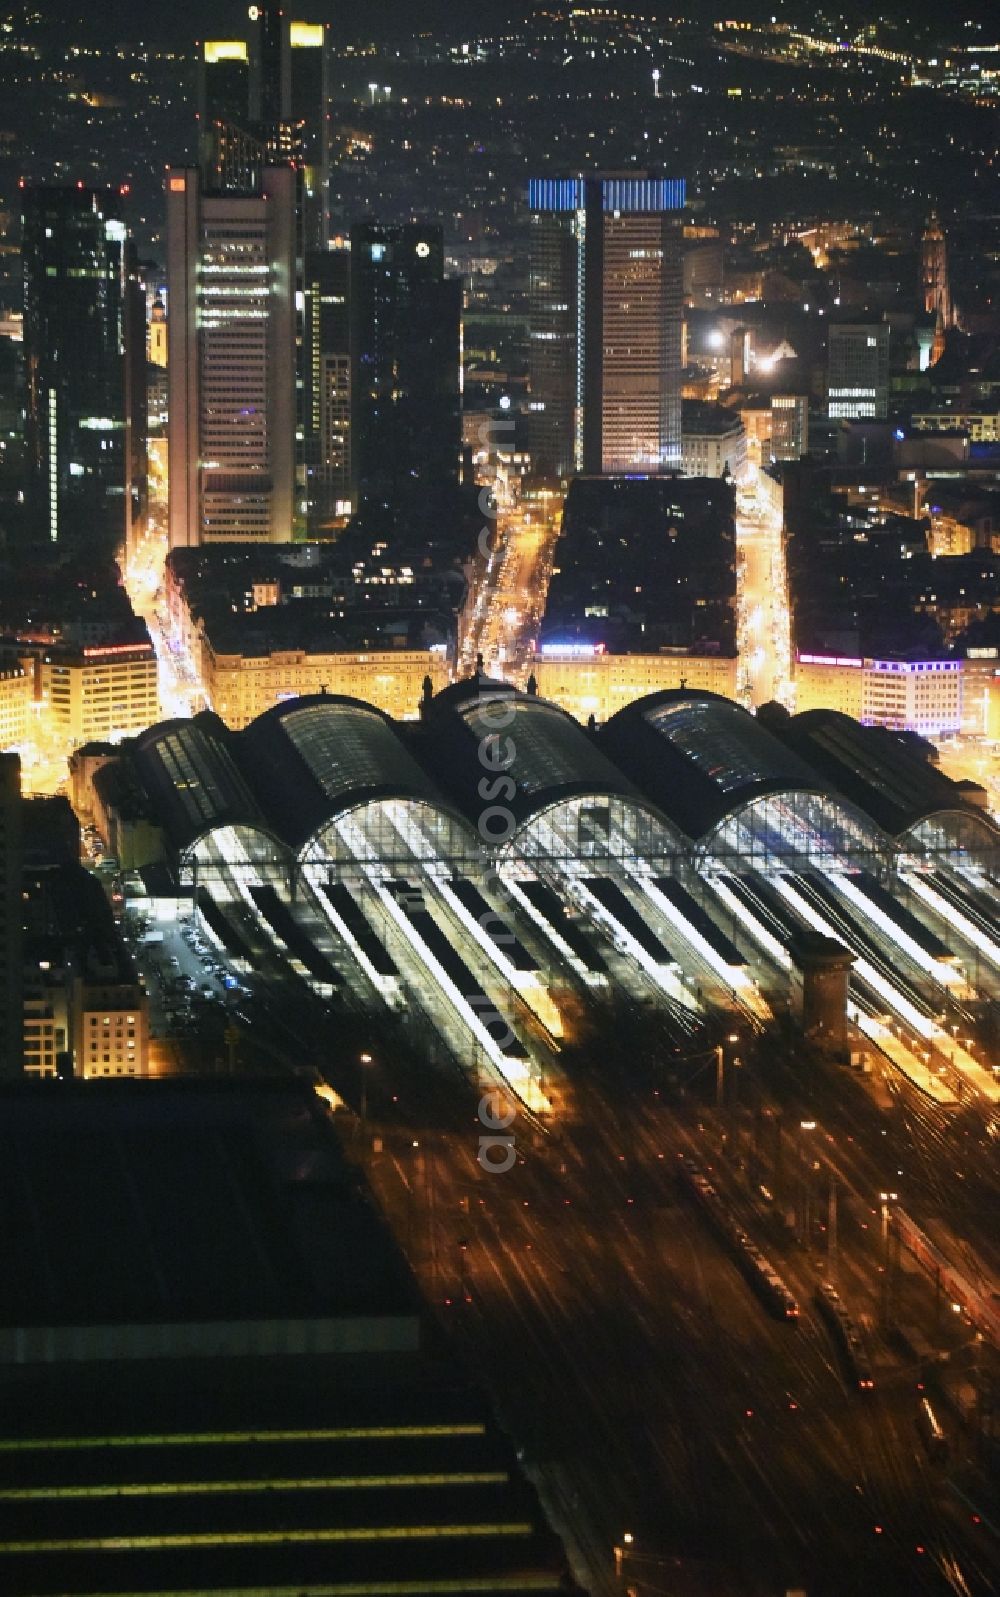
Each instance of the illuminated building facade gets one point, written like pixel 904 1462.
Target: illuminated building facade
pixel 789 426
pixel 934 273
pixel 157 335
pixel 829 682
pixel 10 915
pixel 99 691
pixel 858 372
pixel 923 696
pixel 756 419
pixel 714 442
pixel 605 324
pixel 950 536
pixel 777 427
pixel 16 695
pixel 983 427
pixel 46 1020
pixel 406 428
pixel 110 1026
pixel 587 681
pixel 240 687
pixel 231 271
pixel 82 994
pixel 83 312
pixel 263 105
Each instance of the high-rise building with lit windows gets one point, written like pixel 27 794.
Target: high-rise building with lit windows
pixel 327 386
pixel 263 104
pixel 231 268
pixel 406 430
pixel 858 372
pixel 308 59
pixel 789 426
pixel 606 317
pixel 84 418
pixel 10 915
pixel 223 108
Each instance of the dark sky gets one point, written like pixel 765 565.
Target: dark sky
pixel 178 21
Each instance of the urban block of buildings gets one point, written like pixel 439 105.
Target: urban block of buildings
pixel 71 1001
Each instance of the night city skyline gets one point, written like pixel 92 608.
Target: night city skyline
pixel 500 800
pixel 186 21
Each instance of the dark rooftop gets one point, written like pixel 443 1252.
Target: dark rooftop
pixel 170 1201
pixel 187 1478
pixel 66 906
pixel 322 627
pixel 377 1468
pixel 707 420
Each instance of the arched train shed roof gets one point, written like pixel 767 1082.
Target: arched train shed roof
pixel 882 774
pixel 701 757
pixel 189 769
pixel 548 756
pixel 314 758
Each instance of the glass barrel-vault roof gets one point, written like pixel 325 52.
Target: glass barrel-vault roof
pixel 701 757
pixel 727 745
pixel 550 751
pixel 880 772
pixel 310 759
pixel 491 745
pixel 348 748
pixel 189 770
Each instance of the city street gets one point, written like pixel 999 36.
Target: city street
pixel 180 690
pixel 508 605
pixel 763 620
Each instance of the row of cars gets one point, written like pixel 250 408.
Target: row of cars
pixel 93 845
pixel 188 990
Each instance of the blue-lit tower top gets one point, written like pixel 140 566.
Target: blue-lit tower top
pixel 621 194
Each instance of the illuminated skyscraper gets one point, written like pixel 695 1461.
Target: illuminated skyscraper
pixel 11 1053
pixel 934 273
pixel 307 109
pixel 231 275
pixel 858 372
pixel 83 312
pixel 789 426
pixel 263 106
pixel 223 110
pixel 304 141
pixel 405 361
pixel 134 327
pixel 606 317
pixel 327 370
pixel 268 77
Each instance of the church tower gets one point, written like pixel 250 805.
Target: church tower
pixel 934 273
